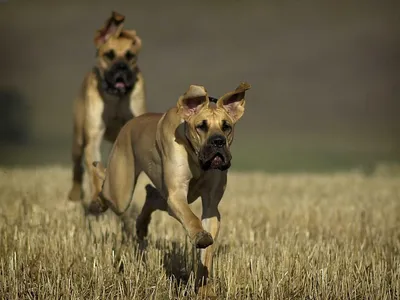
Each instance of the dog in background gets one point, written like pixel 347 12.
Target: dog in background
pixel 112 93
pixel 185 152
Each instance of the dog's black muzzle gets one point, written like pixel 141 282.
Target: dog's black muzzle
pixel 215 154
pixel 120 78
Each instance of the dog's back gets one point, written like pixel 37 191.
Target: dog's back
pixel 144 126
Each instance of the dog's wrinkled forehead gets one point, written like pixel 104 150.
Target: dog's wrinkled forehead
pixel 212 106
pixel 118 44
pixel 215 111
pixel 211 113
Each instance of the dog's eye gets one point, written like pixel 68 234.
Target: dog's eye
pixel 110 54
pixel 129 55
pixel 202 126
pixel 226 126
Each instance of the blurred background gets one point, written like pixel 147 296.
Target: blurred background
pixel 325 75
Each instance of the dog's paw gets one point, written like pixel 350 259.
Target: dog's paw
pixel 96 207
pixel 202 239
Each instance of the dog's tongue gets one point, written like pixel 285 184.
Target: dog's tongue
pixel 217 158
pixel 120 85
pixel 216 161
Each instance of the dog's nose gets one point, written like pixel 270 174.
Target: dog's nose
pixel 122 66
pixel 218 141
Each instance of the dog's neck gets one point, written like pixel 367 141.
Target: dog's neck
pixel 107 88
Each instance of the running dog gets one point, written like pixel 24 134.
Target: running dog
pixel 112 93
pixel 186 154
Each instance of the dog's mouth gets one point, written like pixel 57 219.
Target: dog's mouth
pixel 120 79
pixel 120 83
pixel 217 161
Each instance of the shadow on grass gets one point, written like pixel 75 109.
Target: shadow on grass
pixel 176 261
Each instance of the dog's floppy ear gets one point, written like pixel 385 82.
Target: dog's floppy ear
pixel 113 26
pixel 131 34
pixel 192 101
pixel 234 102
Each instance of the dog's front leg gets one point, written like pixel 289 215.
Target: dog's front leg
pixel 92 154
pixel 178 207
pixel 211 222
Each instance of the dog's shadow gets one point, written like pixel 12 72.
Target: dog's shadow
pixel 177 260
pixel 176 263
pixel 180 259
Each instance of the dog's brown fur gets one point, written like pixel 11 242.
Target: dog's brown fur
pixel 185 153
pixel 102 108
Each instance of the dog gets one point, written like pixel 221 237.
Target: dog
pixel 185 152
pixel 111 94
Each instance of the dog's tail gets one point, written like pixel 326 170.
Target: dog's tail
pixel 99 170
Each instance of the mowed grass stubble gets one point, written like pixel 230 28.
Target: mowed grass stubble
pixel 293 236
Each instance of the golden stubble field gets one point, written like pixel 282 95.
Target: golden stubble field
pixel 293 236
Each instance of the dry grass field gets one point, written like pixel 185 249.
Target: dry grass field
pixel 292 236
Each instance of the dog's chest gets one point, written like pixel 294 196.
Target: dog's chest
pixel 195 187
pixel 115 115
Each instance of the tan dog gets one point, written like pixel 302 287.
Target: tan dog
pixel 111 94
pixel 185 153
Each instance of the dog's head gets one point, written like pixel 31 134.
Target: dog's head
pixel 209 127
pixel 117 51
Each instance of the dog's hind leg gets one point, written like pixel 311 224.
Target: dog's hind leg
pixel 154 201
pixel 120 177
